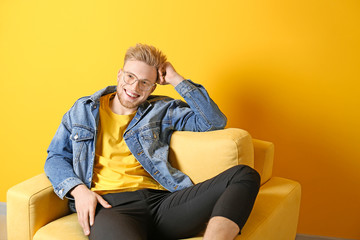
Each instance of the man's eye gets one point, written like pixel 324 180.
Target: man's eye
pixel 130 76
pixel 143 82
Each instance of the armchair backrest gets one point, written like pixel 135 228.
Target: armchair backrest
pixel 202 155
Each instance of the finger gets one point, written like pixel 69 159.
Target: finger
pixel 161 72
pixel 83 220
pixel 91 217
pixel 161 77
pixel 103 202
pixel 85 223
pixel 86 227
pixel 162 66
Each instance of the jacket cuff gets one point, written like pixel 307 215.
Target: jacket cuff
pixel 63 188
pixel 186 86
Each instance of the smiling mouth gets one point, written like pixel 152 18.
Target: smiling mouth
pixel 131 95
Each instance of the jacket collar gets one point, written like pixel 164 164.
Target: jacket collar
pixel 96 96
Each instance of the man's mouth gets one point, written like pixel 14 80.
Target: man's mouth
pixel 131 94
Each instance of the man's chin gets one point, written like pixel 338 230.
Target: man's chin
pixel 131 105
pixel 128 105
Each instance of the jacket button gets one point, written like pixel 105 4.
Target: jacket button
pixel 61 191
pixel 156 172
pixel 76 136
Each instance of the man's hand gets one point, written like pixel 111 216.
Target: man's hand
pixel 85 203
pixel 168 75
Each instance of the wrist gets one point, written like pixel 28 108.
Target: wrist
pixel 176 80
pixel 78 189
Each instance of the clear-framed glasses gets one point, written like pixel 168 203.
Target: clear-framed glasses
pixel 144 84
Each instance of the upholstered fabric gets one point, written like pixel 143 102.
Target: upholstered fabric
pixel 64 228
pixel 35 212
pixel 202 156
pixel 264 159
pixel 30 205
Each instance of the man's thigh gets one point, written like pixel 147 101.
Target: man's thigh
pixel 121 222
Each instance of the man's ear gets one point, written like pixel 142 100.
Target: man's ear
pixel 119 75
pixel 153 88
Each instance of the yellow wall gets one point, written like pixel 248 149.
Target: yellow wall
pixel 286 71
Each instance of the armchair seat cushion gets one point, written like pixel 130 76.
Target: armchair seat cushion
pixel 66 227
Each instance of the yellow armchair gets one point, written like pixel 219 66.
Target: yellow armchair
pixel 35 212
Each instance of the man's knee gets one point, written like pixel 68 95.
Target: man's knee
pixel 246 174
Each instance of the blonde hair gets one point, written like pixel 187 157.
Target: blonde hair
pixel 147 54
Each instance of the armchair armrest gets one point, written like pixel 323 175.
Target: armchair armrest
pixel 263 159
pixel 30 205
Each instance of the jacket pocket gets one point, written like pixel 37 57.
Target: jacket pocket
pixel 81 138
pixel 151 134
pixel 79 134
pixel 150 140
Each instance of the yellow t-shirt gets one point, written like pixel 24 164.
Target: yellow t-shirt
pixel 115 168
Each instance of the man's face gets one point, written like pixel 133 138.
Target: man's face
pixel 130 95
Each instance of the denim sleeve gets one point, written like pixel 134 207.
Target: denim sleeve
pixel 58 166
pixel 200 113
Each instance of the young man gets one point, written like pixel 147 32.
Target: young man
pixel 110 158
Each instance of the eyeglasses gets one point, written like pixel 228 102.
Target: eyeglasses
pixel 144 85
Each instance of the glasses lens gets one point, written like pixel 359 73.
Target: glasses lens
pixel 129 78
pixel 144 85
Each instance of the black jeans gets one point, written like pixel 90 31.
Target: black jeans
pixel 156 214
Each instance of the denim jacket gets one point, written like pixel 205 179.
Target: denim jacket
pixel 71 153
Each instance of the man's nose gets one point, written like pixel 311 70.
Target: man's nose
pixel 135 86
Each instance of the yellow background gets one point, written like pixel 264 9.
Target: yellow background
pixel 286 71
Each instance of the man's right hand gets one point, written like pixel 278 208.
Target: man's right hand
pixel 85 203
pixel 168 75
